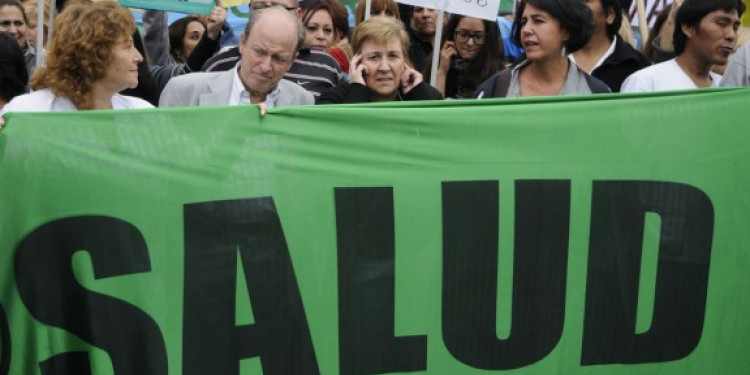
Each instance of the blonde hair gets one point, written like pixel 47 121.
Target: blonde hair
pixel 380 30
pixel 80 49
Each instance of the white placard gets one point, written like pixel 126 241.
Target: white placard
pixel 486 9
pixel 652 10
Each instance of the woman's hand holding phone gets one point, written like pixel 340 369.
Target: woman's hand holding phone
pixel 357 70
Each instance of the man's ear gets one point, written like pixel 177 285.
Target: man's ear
pixel 688 30
pixel 611 15
pixel 298 13
pixel 243 39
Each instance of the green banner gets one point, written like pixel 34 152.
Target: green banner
pixel 180 6
pixel 594 235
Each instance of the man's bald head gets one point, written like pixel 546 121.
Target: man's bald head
pixel 279 19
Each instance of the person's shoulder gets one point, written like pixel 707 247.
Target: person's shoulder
pixel 644 79
pixel 223 60
pixel 486 89
pixel 37 101
pixel 321 58
pixel 625 52
pixel 295 93
pixel 197 79
pixel 715 79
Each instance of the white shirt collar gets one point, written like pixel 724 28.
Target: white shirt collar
pixel 240 96
pixel 604 57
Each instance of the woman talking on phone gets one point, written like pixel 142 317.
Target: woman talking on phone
pixel 378 72
pixel 471 52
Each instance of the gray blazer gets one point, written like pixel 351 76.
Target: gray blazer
pixel 214 88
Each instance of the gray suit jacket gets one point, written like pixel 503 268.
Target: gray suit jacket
pixel 214 88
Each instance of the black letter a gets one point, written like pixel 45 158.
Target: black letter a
pixel 213 344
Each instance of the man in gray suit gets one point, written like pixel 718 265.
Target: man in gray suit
pixel 268 47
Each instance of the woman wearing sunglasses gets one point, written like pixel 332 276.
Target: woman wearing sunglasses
pixel 471 52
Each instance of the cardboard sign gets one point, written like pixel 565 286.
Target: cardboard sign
pixel 485 9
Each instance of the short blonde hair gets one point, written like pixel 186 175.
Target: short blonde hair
pixel 380 30
pixel 81 48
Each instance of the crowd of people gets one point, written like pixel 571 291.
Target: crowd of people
pixel 304 52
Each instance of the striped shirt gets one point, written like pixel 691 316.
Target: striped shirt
pixel 314 70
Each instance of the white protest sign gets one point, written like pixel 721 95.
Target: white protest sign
pixel 651 10
pixel 486 9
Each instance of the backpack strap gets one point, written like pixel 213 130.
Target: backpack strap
pixel 595 85
pixel 502 84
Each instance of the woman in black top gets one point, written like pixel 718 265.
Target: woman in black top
pixel 471 52
pixel 379 72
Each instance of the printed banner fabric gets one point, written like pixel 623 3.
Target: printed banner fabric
pixel 574 235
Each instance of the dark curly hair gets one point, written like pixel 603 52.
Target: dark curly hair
pixel 80 49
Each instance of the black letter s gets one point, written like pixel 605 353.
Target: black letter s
pixel 49 290
pixel 5 344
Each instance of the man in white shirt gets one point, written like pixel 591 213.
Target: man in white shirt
pixel 268 47
pixel 705 34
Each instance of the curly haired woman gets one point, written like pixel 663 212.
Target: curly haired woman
pixel 90 59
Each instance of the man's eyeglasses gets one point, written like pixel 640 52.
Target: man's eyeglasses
pixel 464 36
pixel 7 23
pixel 258 5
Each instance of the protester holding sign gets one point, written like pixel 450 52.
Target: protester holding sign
pixel 471 52
pixel 378 70
pixel 547 30
pixel 184 46
pixel 184 35
pixel 90 59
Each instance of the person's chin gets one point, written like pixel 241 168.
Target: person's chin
pixel 264 86
pixel 385 90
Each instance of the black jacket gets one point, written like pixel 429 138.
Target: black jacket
pixel 359 93
pixel 623 61
pixel 420 51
